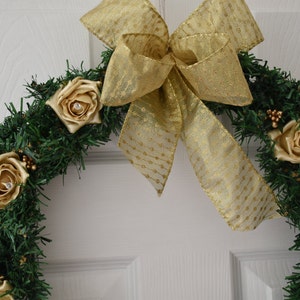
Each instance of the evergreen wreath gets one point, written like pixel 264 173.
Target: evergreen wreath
pixel 36 146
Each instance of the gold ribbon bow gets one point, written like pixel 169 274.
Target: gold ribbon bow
pixel 165 77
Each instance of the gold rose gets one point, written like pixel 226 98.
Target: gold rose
pixel 78 103
pixel 287 142
pixel 12 176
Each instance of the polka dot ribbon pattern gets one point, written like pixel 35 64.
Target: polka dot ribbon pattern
pixel 165 78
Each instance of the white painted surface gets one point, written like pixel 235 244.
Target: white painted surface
pixel 180 244
pixel 261 275
pixel 107 279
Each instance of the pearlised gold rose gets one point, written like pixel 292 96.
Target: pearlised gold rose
pixel 13 175
pixel 78 103
pixel 4 288
pixel 287 142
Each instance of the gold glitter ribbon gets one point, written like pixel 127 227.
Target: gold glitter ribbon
pixel 164 79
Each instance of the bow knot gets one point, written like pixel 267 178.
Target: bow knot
pixel 151 60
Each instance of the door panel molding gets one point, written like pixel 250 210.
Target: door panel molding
pixel 113 278
pixel 260 275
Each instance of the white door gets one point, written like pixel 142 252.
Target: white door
pixel 113 238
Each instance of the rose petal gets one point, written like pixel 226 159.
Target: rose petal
pixel 287 142
pixel 12 171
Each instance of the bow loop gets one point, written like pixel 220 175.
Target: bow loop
pixel 109 22
pixel 202 59
pixel 218 16
pixel 149 45
pixel 145 56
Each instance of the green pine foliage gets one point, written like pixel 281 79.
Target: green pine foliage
pixel 39 134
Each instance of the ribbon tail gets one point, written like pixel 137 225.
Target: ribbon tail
pixel 149 138
pixel 237 190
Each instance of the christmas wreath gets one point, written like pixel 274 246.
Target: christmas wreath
pixel 66 116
